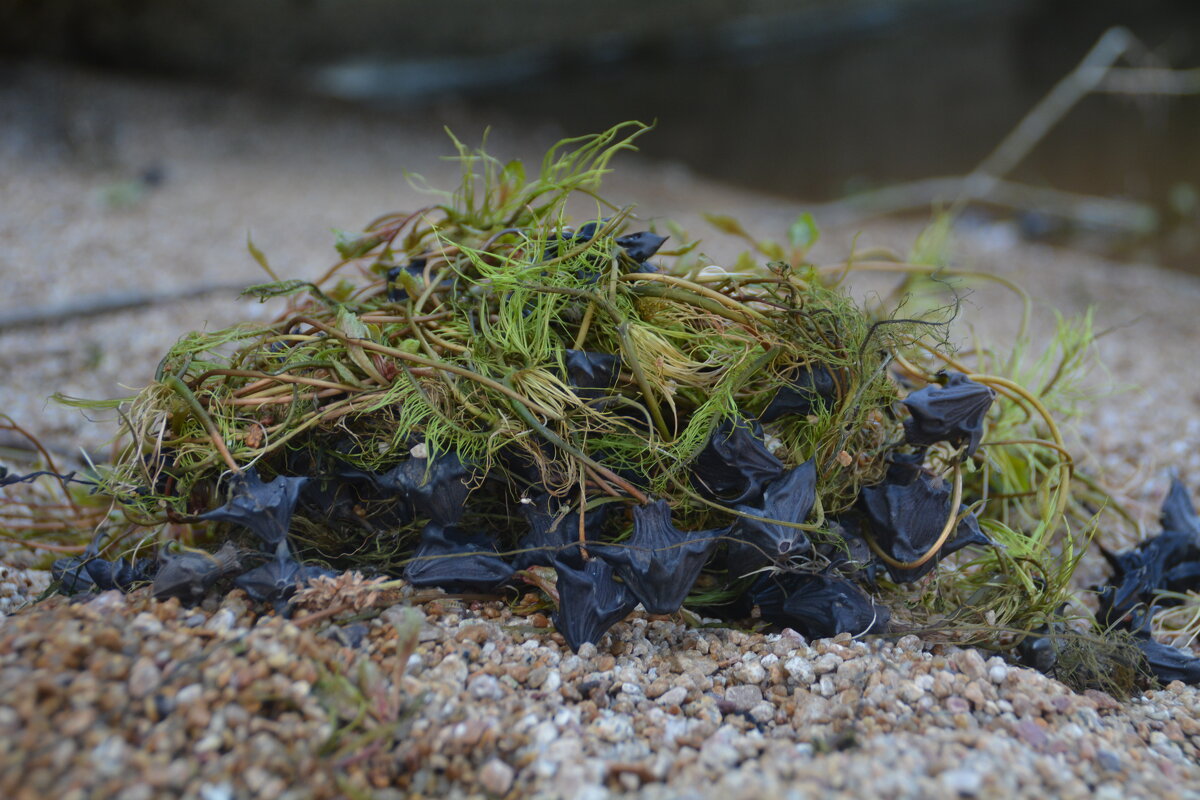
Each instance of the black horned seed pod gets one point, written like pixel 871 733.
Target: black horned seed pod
pixel 906 521
pixel 1168 663
pixel 812 389
pixel 437 489
pixel 788 498
pixel 72 575
pixel 735 464
pixel 818 605
pixel 592 375
pixel 641 245
pixel 952 413
pixel 550 531
pixel 264 508
pixel 188 575
pixel 451 558
pixel 659 562
pixel 1178 513
pixel 589 600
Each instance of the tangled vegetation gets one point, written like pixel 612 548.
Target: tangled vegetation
pixel 485 381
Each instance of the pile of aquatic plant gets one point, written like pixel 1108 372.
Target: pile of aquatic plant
pixel 488 391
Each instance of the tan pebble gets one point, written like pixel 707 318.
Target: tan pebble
pixel 473 633
pixel 107 639
pixel 957 705
pixel 496 777
pixel 974 695
pixel 77 723
pixel 144 678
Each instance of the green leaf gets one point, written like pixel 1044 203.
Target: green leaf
pixel 260 257
pixel 354 245
pixel 772 250
pixel 351 325
pixel 803 233
pixel 726 224
pixel 265 291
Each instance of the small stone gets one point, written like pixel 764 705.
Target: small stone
pixel 485 687
pixel 144 678
pixel 751 672
pixel 1032 734
pixel 957 705
pixel 997 674
pixel 221 621
pixel 970 663
pixel 762 712
pixel 827 663
pixel 1109 760
pixel 496 777
pixel 962 782
pixel 800 670
pixel 743 698
pixel 614 728
pixel 673 697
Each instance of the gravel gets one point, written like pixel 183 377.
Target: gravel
pixel 124 697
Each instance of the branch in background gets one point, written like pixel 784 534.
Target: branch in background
pixel 1124 216
pixel 98 305
pixel 1120 80
pixel 986 183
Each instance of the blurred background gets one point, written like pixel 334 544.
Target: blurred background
pixel 810 99
pixel 142 142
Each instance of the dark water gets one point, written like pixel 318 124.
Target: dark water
pixel 820 117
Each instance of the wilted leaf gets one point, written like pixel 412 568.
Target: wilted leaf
pixel 265 291
pixel 726 224
pixel 260 257
pixel 353 245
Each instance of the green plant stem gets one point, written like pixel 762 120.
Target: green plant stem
pixel 430 362
pixel 558 441
pixel 181 389
pixel 628 351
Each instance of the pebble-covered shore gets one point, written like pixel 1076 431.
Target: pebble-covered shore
pixel 125 697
